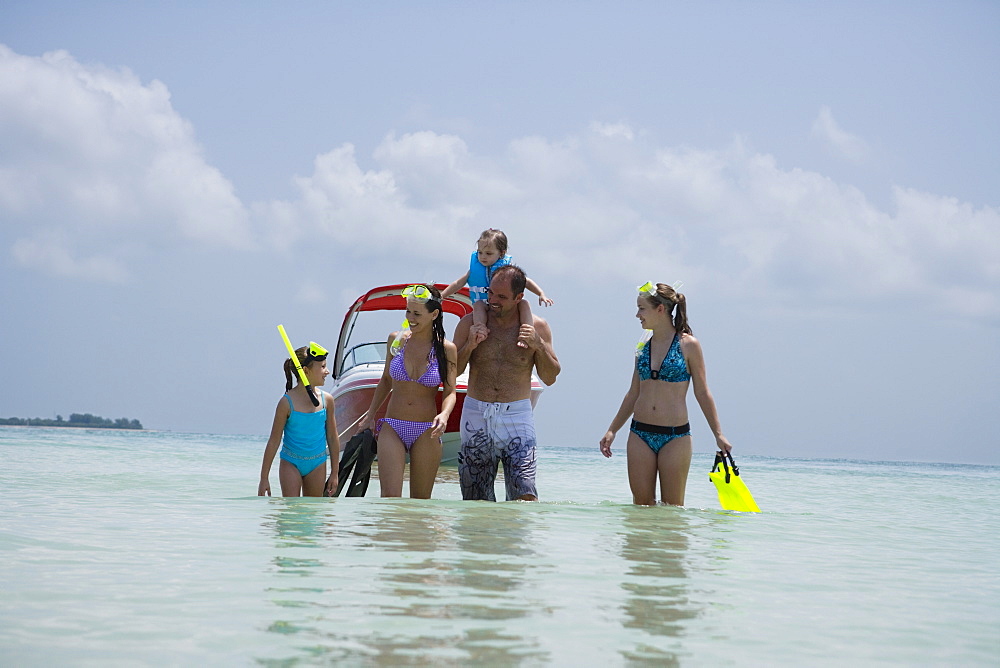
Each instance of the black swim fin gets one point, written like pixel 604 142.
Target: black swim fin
pixel 363 468
pixel 359 453
pixel 348 460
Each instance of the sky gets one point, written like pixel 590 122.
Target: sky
pixel 176 179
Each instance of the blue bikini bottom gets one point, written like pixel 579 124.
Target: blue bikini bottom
pixel 656 436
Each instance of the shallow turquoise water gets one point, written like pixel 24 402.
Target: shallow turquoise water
pixel 125 548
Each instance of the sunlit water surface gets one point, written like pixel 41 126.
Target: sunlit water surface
pixel 125 548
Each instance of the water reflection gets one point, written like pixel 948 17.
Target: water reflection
pixel 654 545
pixel 464 563
pixel 417 533
pixel 297 522
pixel 301 528
pixel 475 646
pixel 399 581
pixel 496 544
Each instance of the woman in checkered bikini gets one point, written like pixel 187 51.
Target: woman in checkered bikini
pixel 419 361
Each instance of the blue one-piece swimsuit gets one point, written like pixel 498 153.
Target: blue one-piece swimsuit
pixel 673 369
pixel 304 442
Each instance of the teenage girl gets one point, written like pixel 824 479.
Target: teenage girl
pixel 491 254
pixel 659 440
pixel 307 433
pixel 413 371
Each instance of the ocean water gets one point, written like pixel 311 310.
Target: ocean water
pixel 151 548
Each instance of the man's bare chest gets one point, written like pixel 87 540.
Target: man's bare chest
pixel 500 349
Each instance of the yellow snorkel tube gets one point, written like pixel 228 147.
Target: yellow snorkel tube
pixel 298 366
pixel 401 336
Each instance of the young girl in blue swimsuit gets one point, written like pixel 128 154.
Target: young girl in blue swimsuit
pixel 414 370
pixel 306 433
pixel 659 440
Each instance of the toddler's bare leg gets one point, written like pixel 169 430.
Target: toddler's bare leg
pixel 524 315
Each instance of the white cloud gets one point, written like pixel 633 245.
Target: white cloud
pixel 94 156
pixel 435 170
pixel 544 163
pixel 612 130
pixel 359 209
pixel 51 256
pixel 755 228
pixel 843 143
pixel 729 220
pixel 100 169
pixel 957 245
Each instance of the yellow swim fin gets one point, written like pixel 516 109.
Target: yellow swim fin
pixel 733 493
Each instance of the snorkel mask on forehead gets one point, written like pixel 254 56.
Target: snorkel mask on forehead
pixel 418 292
pixel 316 352
pixel 649 288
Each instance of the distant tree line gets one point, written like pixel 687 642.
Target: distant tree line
pixel 75 420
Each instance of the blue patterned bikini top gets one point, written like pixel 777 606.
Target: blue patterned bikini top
pixel 673 369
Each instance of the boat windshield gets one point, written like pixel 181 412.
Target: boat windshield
pixel 365 353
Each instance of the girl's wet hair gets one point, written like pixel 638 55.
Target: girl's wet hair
pixel 437 329
pixel 495 237
pixel 304 361
pixel 674 302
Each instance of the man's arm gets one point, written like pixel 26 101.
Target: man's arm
pixel 464 343
pixel 539 338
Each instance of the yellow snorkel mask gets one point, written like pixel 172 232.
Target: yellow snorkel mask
pixel 418 292
pixel 317 352
pixel 649 288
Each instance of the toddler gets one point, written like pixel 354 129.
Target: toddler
pixel 490 255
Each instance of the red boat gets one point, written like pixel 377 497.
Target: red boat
pixel 358 366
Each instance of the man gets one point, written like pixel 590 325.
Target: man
pixel 497 422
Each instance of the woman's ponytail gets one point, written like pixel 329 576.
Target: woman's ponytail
pixel 675 303
pixel 437 331
pixel 680 315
